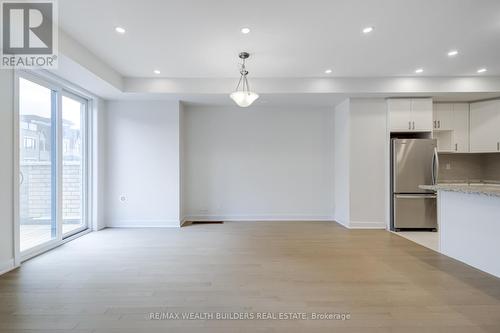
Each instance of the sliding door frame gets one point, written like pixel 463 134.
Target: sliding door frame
pixel 59 88
pixel 84 121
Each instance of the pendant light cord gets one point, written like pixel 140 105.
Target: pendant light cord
pixel 243 78
pixel 239 82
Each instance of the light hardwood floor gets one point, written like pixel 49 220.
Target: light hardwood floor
pixel 110 281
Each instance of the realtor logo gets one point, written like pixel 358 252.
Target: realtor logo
pixel 29 34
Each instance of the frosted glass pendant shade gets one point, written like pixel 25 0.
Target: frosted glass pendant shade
pixel 244 98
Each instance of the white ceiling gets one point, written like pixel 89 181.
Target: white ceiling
pixel 200 38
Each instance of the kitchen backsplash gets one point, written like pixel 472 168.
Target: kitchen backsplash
pixel 469 167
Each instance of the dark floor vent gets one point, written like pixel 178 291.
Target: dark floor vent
pixel 207 222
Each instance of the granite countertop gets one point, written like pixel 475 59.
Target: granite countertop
pixel 482 188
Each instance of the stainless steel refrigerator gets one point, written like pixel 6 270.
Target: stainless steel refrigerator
pixel 414 162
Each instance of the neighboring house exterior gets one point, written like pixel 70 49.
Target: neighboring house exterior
pixel 35 139
pixel 36 170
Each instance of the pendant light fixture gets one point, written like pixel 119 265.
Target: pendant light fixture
pixel 242 95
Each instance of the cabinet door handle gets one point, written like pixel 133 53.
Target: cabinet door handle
pixel 456 146
pixel 409 125
pixel 413 125
pixel 498 146
pixel 435 124
pixel 439 123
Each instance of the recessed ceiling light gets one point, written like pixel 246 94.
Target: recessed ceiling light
pixel 328 71
pixel 481 70
pixel 120 30
pixel 156 71
pixel 367 30
pixel 245 30
pixel 419 70
pixel 452 53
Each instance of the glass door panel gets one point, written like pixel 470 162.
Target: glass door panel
pixel 73 160
pixel 37 153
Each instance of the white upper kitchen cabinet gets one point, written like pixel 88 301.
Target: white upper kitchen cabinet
pixel 399 114
pixel 410 114
pixel 443 115
pixel 451 127
pixel 460 126
pixel 485 127
pixel 421 110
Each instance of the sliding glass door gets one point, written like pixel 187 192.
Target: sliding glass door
pixel 37 164
pixel 52 164
pixel 74 110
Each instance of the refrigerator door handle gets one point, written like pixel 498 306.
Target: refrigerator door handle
pixel 435 167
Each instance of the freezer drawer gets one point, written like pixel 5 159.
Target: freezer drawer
pixel 415 211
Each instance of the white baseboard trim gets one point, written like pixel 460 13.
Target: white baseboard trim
pixel 258 218
pixel 367 225
pixel 144 224
pixel 7 266
pixel 184 220
pixel 342 224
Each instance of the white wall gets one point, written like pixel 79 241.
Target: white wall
pixel 6 169
pixel 259 163
pixel 98 164
pixel 182 158
pixel 341 163
pixel 368 160
pixel 142 163
pixel 361 155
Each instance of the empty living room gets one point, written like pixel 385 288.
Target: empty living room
pixel 249 166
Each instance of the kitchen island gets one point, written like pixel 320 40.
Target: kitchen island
pixel 469 224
